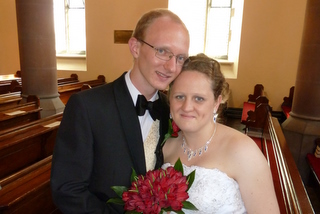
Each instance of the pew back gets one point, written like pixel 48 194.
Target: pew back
pixel 9 100
pixel 28 191
pixel 67 90
pixel 20 114
pixel 24 145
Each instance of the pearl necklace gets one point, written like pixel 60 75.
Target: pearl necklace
pixel 193 153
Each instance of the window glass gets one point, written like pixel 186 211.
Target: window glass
pixel 218 28
pixel 70 30
pixel 208 23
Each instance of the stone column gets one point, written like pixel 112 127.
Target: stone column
pixel 303 126
pixel 37 53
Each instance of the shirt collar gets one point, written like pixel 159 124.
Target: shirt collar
pixel 134 92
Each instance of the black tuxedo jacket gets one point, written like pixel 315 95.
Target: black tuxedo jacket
pixel 98 143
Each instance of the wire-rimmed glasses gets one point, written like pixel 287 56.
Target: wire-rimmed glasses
pixel 166 55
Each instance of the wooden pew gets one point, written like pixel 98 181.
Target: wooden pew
pixel 28 190
pixel 287 103
pixel 24 145
pixel 250 105
pixel 9 100
pixel 313 160
pixel 66 80
pixel 6 84
pixel 256 112
pixel 4 87
pixel 67 90
pixel 10 86
pixel 15 84
pixel 257 92
pixel 291 193
pixel 21 114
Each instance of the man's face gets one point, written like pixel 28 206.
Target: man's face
pixel 170 36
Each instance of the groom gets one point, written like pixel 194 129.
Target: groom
pixel 106 131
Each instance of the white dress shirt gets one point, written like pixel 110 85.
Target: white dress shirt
pixel 145 120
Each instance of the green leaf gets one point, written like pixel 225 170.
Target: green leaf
pixel 178 166
pixel 168 135
pixel 118 201
pixel 167 209
pixel 133 175
pixel 188 205
pixel 190 178
pixel 119 190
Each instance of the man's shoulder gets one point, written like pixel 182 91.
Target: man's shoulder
pixel 106 88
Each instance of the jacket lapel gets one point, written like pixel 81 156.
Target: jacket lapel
pixel 130 124
pixel 163 128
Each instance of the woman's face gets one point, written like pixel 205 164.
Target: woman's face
pixel 192 102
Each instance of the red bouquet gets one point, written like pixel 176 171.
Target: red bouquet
pixel 159 191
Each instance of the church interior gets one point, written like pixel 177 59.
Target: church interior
pixel 275 90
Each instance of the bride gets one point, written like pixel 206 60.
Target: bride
pixel 232 175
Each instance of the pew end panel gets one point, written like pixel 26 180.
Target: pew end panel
pixel 287 103
pixel 257 92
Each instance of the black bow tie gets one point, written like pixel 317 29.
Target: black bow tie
pixel 153 107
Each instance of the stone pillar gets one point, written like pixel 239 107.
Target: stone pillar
pixel 37 53
pixel 303 126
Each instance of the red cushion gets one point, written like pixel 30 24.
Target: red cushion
pixel 286 110
pixel 314 163
pixel 247 107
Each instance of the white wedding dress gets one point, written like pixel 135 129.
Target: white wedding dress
pixel 213 191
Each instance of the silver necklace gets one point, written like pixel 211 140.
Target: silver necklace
pixel 193 153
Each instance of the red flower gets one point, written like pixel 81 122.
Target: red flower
pixel 175 129
pixel 172 132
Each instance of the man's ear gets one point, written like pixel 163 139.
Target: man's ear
pixel 134 47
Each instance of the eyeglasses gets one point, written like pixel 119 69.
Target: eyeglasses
pixel 166 55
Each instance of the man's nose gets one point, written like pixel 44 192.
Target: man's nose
pixel 171 64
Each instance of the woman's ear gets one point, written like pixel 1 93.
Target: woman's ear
pixel 218 101
pixel 134 47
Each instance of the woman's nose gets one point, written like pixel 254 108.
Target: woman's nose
pixel 187 105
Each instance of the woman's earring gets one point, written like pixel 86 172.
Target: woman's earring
pixel 170 116
pixel 215 116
